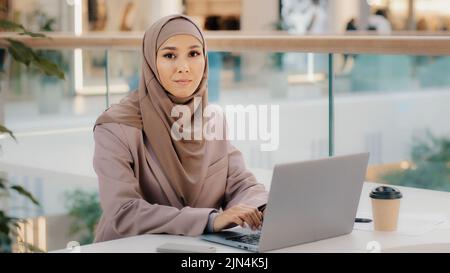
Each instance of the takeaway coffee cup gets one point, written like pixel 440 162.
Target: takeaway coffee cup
pixel 385 207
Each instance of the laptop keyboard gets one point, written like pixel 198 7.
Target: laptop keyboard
pixel 251 239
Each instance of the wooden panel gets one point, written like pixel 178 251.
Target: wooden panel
pixel 213 7
pixel 415 45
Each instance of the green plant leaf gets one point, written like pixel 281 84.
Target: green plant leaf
pixel 21 52
pixel 2 183
pixel 5 243
pixel 4 223
pixel 3 130
pixel 49 68
pixel 26 55
pixel 33 34
pixel 85 209
pixel 431 158
pixel 8 25
pixel 25 193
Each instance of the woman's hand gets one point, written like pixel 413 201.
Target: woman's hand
pixel 238 215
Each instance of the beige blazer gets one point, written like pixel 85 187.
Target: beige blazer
pixel 137 199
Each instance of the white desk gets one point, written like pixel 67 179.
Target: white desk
pixel 414 201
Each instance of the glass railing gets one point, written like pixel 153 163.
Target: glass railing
pixel 331 101
pixel 396 108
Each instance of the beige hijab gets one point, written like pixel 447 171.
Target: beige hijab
pixel 183 162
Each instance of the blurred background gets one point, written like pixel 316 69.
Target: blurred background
pixel 394 106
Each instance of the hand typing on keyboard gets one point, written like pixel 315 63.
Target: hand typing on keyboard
pixel 239 215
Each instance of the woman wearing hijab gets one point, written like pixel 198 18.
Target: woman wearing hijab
pixel 150 182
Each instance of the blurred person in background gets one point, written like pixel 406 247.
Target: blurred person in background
pixel 422 25
pixel 379 22
pixel 349 58
pixel 351 25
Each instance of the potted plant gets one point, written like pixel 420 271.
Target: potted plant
pixel 25 55
pixel 429 167
pixel 85 211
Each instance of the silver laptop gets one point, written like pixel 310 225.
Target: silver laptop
pixel 308 201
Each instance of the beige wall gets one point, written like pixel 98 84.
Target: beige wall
pixel 208 7
pixel 144 14
pixel 259 14
pixel 150 11
pixel 340 12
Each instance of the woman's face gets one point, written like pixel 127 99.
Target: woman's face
pixel 180 64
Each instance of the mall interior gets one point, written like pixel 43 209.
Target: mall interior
pixel 348 76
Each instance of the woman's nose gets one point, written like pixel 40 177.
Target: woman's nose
pixel 183 68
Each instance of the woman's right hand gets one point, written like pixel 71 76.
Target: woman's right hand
pixel 238 215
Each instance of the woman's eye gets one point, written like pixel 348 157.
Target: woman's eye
pixel 194 53
pixel 169 56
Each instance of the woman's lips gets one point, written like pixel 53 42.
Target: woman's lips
pixel 183 82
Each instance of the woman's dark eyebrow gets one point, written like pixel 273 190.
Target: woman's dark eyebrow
pixel 175 48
